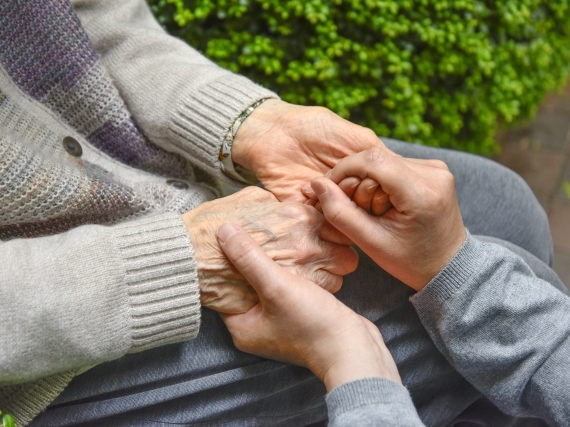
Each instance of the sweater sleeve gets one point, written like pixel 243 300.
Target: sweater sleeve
pixel 93 294
pixel 371 402
pixel 505 330
pixel 181 100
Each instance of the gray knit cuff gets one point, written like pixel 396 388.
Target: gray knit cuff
pixel 365 392
pixel 204 117
pixel 162 280
pixel 454 275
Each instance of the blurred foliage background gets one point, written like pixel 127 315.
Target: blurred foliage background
pixel 437 72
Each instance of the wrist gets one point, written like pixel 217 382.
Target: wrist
pixel 257 123
pixel 352 357
pixel 226 155
pixel 431 270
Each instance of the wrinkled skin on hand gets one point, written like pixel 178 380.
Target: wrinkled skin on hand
pixel 337 344
pixel 287 145
pixel 296 236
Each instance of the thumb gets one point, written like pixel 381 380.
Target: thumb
pixel 343 214
pixel 263 274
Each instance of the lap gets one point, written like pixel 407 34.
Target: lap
pixel 208 382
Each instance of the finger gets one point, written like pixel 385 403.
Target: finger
pixel 309 193
pixel 394 174
pixel 330 234
pixel 380 202
pixel 426 169
pixel 348 185
pixel 326 280
pixel 340 260
pixel 344 214
pixel 430 162
pixel 311 202
pixel 318 206
pixel 264 274
pixel 239 297
pixel 364 192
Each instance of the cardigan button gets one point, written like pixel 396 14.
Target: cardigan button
pixel 181 185
pixel 72 146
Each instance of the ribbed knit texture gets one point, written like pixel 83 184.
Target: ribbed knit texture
pixel 162 281
pixel 206 120
pixel 503 329
pixel 371 402
pixel 25 401
pixel 465 264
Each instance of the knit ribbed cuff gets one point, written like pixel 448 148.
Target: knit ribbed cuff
pixel 203 118
pixel 25 401
pixel 454 275
pixel 367 391
pixel 162 280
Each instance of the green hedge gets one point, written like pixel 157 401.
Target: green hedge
pixel 443 73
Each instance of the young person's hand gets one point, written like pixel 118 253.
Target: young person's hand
pixel 297 321
pixel 415 227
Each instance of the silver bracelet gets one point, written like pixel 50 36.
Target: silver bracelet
pixel 231 169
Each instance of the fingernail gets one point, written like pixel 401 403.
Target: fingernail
pixel 226 231
pixel 307 189
pixel 328 174
pixel 319 187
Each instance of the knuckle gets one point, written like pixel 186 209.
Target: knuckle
pixel 300 212
pixel 305 250
pixel 441 164
pixel 371 135
pixel 344 258
pixel 350 260
pixel 376 155
pixel 446 184
pixel 434 199
pixel 329 282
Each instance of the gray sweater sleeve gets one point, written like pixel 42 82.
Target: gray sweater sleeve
pixel 371 402
pixel 105 291
pixel 180 99
pixel 505 330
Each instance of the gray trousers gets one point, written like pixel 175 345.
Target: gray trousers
pixel 207 382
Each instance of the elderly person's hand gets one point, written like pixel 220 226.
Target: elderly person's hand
pixel 416 226
pixel 298 322
pixel 295 235
pixel 287 145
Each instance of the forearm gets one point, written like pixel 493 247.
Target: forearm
pixel 371 402
pixel 93 294
pixel 503 329
pixel 180 99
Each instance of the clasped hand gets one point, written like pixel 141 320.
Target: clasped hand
pixel 286 146
pixel 402 212
pixel 415 234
